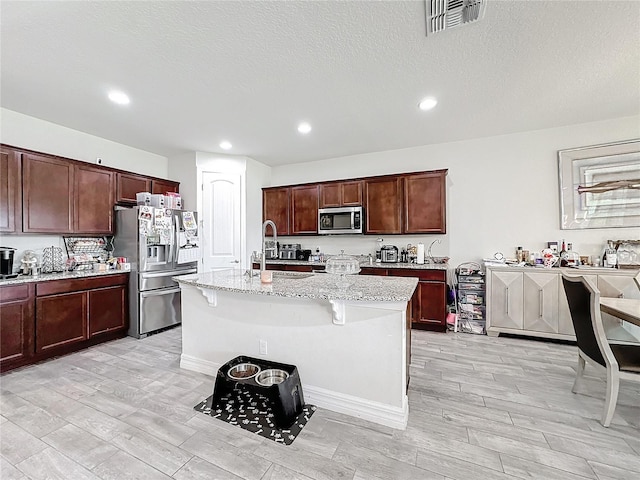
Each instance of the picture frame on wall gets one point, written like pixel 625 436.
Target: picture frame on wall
pixel 600 186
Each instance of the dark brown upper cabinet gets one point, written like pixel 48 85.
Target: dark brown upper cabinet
pixel 341 194
pixel 304 210
pixel 163 186
pixel 383 205
pixel 128 184
pixel 275 207
pixel 94 200
pixel 425 202
pixel 48 194
pixel 10 191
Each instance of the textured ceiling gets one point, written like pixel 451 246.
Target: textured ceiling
pixel 249 72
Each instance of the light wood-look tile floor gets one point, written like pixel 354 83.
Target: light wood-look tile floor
pixel 480 408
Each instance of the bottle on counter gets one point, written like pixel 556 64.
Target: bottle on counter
pixel 610 255
pixel 563 254
pixel 519 254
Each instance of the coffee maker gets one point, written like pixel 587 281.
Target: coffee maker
pixel 6 262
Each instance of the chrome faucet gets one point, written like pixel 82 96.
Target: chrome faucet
pixel 264 245
pixel 433 260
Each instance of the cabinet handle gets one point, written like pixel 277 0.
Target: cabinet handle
pixel 540 302
pixel 506 298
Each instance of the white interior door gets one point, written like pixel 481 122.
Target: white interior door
pixel 221 220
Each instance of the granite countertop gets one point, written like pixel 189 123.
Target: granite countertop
pixel 43 277
pixel 366 264
pixel 582 269
pixel 307 285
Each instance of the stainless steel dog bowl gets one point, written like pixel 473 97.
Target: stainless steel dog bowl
pixel 242 371
pixel 272 376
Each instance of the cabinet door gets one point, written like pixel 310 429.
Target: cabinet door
pixel 304 209
pixel 432 305
pixel 330 195
pixel 164 186
pixel 48 194
pixel 383 202
pixel 10 191
pixel 128 184
pixel 617 286
pixel 94 200
pixel 505 300
pixel 16 324
pixel 424 203
pixel 541 302
pixel 275 207
pixel 351 193
pixel 60 320
pixel 107 309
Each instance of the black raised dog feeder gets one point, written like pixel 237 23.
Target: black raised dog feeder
pixel 278 383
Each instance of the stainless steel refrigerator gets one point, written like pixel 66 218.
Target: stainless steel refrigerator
pixel 159 244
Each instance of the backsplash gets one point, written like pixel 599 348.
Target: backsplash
pixel 366 244
pixel 36 243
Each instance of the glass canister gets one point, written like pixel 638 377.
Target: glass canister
pixel 343 265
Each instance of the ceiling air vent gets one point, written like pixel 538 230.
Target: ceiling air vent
pixel 446 14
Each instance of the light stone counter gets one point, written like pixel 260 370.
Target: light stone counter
pixel 44 277
pixel 440 265
pixel 351 346
pixel 307 285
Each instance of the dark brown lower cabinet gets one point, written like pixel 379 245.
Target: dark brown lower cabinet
pixel 107 309
pixel 429 303
pixel 60 320
pixel 16 325
pixel 50 318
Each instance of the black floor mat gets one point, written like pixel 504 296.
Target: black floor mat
pixel 251 411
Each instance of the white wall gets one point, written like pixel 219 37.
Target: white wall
pixel 502 192
pixel 183 169
pixel 258 176
pixel 32 133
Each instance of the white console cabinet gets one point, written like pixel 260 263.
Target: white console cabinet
pixel 531 301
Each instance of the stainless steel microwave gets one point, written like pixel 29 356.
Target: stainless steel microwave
pixel 340 220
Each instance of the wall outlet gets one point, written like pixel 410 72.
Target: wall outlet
pixel 263 347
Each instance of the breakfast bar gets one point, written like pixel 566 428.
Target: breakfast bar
pixel 349 338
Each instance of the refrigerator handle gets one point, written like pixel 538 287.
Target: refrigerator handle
pixel 177 239
pixel 172 246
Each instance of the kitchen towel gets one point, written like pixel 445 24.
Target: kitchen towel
pixel 420 254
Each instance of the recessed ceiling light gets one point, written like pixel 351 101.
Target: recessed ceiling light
pixel 428 103
pixel 118 97
pixel 225 145
pixel 304 128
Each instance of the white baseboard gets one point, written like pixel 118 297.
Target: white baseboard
pixel 376 412
pixel 380 413
pixel 198 365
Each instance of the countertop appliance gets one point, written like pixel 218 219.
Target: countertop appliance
pixel 340 220
pixel 159 244
pixel 303 255
pixel 288 251
pixel 389 254
pixel 6 262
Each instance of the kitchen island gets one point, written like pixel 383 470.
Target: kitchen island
pixel 351 345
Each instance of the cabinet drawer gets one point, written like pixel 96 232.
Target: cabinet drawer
pixel 54 287
pixel 433 275
pixel 16 292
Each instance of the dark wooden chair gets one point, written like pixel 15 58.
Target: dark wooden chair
pixel 620 362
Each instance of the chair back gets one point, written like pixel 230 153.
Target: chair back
pixel 581 298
